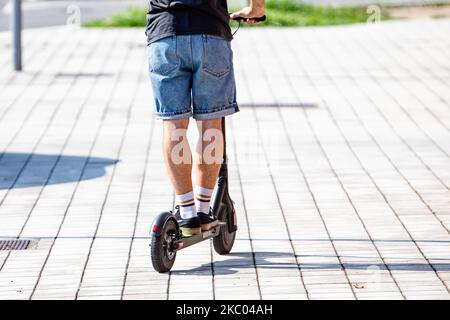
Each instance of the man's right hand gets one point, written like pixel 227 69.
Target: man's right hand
pixel 255 10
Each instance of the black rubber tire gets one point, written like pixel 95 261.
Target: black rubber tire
pixel 224 242
pixel 161 260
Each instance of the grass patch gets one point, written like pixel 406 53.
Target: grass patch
pixel 283 13
pixel 290 13
pixel 132 17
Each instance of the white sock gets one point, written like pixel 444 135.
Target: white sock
pixel 203 199
pixel 187 205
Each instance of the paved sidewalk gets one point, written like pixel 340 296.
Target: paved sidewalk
pixel 339 164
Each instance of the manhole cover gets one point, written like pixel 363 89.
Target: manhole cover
pixel 7 245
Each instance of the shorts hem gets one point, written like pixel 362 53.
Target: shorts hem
pixel 161 116
pixel 220 113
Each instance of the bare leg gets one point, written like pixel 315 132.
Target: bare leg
pixel 177 155
pixel 209 152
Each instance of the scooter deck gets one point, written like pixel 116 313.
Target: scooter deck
pixel 185 242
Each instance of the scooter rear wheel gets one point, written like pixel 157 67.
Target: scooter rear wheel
pixel 163 257
pixel 224 242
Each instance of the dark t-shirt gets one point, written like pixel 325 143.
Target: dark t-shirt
pixel 176 17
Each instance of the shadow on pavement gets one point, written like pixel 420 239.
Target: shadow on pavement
pixel 24 170
pixel 306 105
pixel 82 75
pixel 268 260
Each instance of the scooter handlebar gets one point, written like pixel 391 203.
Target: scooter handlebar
pixel 258 19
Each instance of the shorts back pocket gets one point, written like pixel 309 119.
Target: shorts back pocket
pixel 217 56
pixel 163 55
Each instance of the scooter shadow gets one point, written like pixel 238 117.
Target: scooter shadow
pixel 283 260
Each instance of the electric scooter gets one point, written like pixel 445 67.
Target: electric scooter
pixel 168 239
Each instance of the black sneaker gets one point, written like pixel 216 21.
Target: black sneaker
pixel 207 220
pixel 189 227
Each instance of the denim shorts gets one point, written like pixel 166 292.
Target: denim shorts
pixel 192 75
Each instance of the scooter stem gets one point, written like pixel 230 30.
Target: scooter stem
pixel 224 168
pixel 222 180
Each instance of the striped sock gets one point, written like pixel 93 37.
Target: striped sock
pixel 187 205
pixel 203 199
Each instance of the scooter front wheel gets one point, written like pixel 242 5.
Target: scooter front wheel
pixel 163 255
pixel 223 243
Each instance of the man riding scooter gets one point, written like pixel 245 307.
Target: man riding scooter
pixel 191 72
